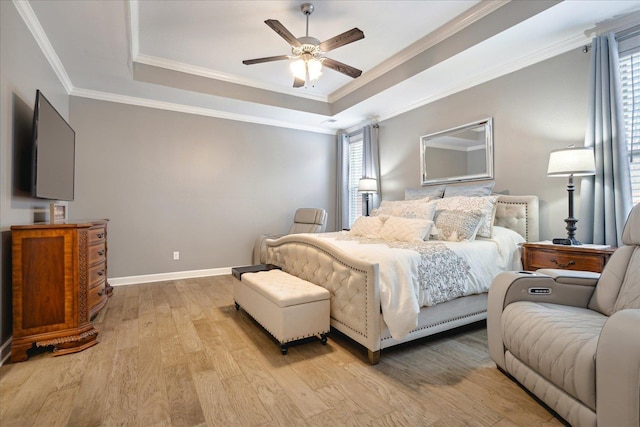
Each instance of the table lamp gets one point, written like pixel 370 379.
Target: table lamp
pixel 571 161
pixel 367 186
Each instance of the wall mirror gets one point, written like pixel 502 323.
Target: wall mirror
pixel 463 153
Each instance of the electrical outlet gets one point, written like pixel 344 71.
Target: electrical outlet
pixel 176 255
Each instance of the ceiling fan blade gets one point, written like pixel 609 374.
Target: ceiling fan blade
pixel 283 32
pixel 347 37
pixel 341 68
pixel 298 82
pixel 267 59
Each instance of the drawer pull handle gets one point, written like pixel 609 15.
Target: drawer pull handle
pixel 101 272
pixel 570 263
pixel 99 235
pixel 101 252
pixel 101 293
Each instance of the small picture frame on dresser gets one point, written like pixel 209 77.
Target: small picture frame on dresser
pixel 57 213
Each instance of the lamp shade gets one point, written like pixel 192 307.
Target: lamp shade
pixel 577 161
pixel 368 185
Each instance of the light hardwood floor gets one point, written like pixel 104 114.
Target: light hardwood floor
pixel 178 353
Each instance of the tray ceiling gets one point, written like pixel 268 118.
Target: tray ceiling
pixel 187 55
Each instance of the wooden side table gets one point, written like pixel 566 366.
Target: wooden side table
pixel 547 255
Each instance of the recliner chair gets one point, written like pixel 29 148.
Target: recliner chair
pixel 573 338
pixel 306 220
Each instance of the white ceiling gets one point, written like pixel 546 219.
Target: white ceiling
pixel 187 55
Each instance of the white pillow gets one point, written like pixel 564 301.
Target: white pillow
pixel 367 226
pixel 434 191
pixel 407 208
pixel 457 226
pixel 483 189
pixel 406 229
pixel 486 205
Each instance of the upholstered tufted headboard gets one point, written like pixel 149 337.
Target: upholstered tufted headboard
pixel 519 213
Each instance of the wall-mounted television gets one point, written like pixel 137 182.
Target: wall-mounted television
pixel 54 157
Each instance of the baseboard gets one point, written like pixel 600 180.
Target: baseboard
pixel 161 277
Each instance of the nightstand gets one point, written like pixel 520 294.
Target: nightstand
pixel 547 255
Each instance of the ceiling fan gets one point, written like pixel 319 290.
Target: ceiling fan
pixel 307 52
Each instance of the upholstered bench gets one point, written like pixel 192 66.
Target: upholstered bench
pixel 288 307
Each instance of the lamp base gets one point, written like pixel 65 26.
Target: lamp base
pixel 571 231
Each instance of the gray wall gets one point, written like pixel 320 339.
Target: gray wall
pixel 202 186
pixel 535 110
pixel 23 69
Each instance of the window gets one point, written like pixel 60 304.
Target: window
pixel 355 173
pixel 630 83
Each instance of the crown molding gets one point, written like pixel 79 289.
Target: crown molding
pixel 443 32
pixel 499 71
pixel 31 21
pixel 216 75
pixel 181 108
pixel 616 24
pixel 182 67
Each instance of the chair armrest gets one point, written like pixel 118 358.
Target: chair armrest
pixel 618 370
pixel 565 287
pixel 259 255
pixel 512 286
pixel 571 277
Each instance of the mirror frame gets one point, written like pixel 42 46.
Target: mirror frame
pixel 488 174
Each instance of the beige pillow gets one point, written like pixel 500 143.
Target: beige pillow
pixel 406 229
pixel 486 205
pixel 457 226
pixel 367 226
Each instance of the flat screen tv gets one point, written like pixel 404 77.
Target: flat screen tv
pixel 54 146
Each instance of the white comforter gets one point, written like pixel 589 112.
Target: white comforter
pixel 472 266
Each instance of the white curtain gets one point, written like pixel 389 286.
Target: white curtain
pixel 605 199
pixel 342 182
pixel 371 161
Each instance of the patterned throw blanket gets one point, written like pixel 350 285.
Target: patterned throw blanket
pixel 441 273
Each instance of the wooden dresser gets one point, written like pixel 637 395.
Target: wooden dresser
pixel 59 284
pixel 547 255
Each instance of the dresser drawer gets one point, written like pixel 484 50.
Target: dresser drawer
pixel 97 273
pixel 544 259
pixel 96 297
pixel 97 253
pixel 97 234
pixel 537 256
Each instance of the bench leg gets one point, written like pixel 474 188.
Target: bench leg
pixel 374 357
pixel 283 349
pixel 323 339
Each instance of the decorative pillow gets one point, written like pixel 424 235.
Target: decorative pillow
pixel 457 226
pixel 406 229
pixel 420 208
pixel 367 226
pixel 434 192
pixel 476 190
pixel 486 205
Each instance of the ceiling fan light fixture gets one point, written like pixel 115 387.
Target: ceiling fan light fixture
pixel 307 53
pixel 299 69
pixel 315 69
pixel 307 68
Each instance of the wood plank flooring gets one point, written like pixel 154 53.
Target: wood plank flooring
pixel 178 353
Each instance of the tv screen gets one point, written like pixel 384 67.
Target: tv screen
pixel 54 145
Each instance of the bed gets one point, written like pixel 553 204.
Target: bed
pixel 379 291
